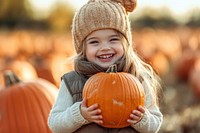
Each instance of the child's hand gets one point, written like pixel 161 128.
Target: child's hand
pixel 92 113
pixel 136 115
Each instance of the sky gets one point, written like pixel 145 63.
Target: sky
pixel 176 6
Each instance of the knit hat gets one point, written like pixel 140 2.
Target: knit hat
pixel 102 14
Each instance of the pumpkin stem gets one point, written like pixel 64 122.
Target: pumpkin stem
pixel 10 78
pixel 112 68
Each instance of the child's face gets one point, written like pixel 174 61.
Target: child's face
pixel 104 47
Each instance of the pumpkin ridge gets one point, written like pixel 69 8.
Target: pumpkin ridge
pixel 106 80
pixel 27 106
pixel 27 93
pixel 125 97
pixel 8 116
pixel 40 100
pixel 13 92
pixel 24 103
pixel 2 109
pixel 30 95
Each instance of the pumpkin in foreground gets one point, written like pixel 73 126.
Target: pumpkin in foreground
pixel 25 106
pixel 117 94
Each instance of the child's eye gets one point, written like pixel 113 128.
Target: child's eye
pixel 115 39
pixel 93 42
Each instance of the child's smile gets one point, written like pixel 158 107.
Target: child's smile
pixel 106 57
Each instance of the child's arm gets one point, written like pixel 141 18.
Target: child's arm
pixel 65 116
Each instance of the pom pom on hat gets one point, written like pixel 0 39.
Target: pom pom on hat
pixel 129 5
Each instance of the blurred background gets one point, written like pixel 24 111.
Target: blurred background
pixel 35 42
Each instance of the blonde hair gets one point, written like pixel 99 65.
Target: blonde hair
pixel 142 70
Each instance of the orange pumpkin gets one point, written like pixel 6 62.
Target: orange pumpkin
pixel 117 94
pixel 194 78
pixel 184 64
pixel 25 106
pixel 160 63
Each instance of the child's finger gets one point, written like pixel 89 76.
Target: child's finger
pixel 141 109
pixel 131 121
pixel 134 117
pixel 93 107
pixel 95 112
pixel 137 113
pixel 98 121
pixel 97 117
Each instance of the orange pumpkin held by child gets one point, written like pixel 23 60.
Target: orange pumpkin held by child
pixel 117 94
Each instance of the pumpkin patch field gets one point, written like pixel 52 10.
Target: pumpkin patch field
pixel 32 63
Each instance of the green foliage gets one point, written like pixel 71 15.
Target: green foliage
pixel 194 18
pixel 14 12
pixel 20 13
pixel 150 17
pixel 61 18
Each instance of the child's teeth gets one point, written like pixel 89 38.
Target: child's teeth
pixel 105 56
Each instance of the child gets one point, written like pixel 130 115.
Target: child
pixel 102 37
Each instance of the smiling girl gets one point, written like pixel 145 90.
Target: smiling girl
pixel 102 37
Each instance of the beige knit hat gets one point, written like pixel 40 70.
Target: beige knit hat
pixel 102 14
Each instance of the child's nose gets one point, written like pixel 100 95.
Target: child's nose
pixel 105 47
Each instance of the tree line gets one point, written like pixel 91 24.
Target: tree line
pixel 20 14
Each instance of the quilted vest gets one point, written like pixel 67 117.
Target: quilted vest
pixel 75 82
